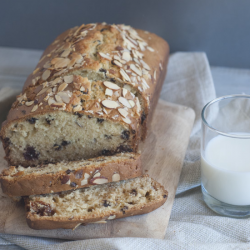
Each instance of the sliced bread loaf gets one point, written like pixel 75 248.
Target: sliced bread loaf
pixel 94 204
pixel 52 178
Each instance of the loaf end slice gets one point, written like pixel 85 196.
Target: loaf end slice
pixel 52 178
pixel 95 204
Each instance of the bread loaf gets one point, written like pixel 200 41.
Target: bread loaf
pixel 52 178
pixel 92 93
pixel 95 204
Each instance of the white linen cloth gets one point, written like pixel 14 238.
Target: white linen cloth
pixel 192 224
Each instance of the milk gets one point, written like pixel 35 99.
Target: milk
pixel 225 169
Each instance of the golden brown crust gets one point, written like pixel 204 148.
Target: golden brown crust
pixel 49 222
pixel 17 183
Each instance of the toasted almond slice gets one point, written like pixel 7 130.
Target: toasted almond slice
pixel 144 83
pixel 124 92
pixel 150 49
pixel 58 105
pixel 111 217
pixel 132 103
pixel 62 63
pixel 160 65
pixel 63 86
pixel 34 108
pixel 68 79
pixel 77 108
pixel 84 182
pixel 124 102
pixel 124 75
pixel 29 103
pixel 117 63
pixel 126 56
pixel 138 106
pixel 46 74
pixel 136 70
pixel 99 180
pixel 145 66
pixel 123 112
pixel 64 96
pixel 35 71
pixel 127 120
pixel 116 177
pixel 110 104
pixel 58 98
pixel 97 175
pixel 109 92
pixel 105 56
pixel 111 85
pixel 47 65
pixel 65 53
pixel 42 91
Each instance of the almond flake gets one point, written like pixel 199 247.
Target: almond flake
pixel 150 49
pixel 46 74
pixel 117 63
pixel 111 217
pixel 65 53
pixel 136 70
pixel 109 92
pixel 51 101
pixel 132 103
pixel 65 96
pixel 84 182
pixel 62 63
pixel 145 66
pixel 126 56
pixel 58 98
pixel 68 79
pixel 34 108
pixel 77 108
pixel 42 91
pixel 82 89
pixel 124 75
pixel 35 71
pixel 47 65
pixel 123 112
pixel 160 65
pixel 138 106
pixel 124 102
pixel 124 92
pixel 105 56
pixel 127 120
pixel 63 86
pixel 110 104
pixel 97 175
pixel 116 177
pixel 111 85
pixel 58 104
pixel 29 103
pixel 144 83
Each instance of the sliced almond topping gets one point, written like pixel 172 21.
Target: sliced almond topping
pixel 65 53
pixel 99 180
pixel 62 63
pixel 77 108
pixel 47 65
pixel 132 103
pixel 116 177
pixel 65 96
pixel 110 104
pixel 111 85
pixel 111 217
pixel 84 182
pixel 127 120
pixel 97 175
pixel 46 74
pixel 124 75
pixel 124 102
pixel 145 66
pixel 124 92
pixel 160 65
pixel 63 86
pixel 86 176
pixel 116 62
pixel 35 71
pixel 29 103
pixel 126 56
pixel 51 101
pixel 68 79
pixel 42 91
pixel 105 56
pixel 34 108
pixel 144 84
pixel 150 49
pixel 123 112
pixel 58 104
pixel 138 106
pixel 58 98
pixel 136 70
pixel 109 92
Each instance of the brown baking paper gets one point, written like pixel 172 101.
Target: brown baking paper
pixel 162 157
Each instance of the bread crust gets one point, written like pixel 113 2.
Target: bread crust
pixel 110 38
pixel 16 183
pixel 48 222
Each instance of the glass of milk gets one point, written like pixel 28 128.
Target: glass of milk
pixel 225 155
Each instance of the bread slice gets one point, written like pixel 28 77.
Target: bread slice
pixel 52 178
pixel 94 204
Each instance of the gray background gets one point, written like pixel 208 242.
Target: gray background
pixel 221 28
